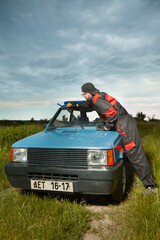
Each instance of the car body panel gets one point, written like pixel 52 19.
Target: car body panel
pixel 89 181
pixel 70 138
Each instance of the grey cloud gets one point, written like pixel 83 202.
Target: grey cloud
pixel 50 48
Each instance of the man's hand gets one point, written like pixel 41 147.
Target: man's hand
pixel 71 105
pixel 101 128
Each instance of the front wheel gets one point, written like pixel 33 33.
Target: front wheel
pixel 125 182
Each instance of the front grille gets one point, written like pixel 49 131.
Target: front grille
pixel 48 176
pixel 58 157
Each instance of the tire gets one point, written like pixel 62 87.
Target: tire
pixel 125 182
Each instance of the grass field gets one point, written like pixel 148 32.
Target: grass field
pixel 30 216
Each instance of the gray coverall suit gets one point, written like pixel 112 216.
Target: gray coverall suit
pixel 115 116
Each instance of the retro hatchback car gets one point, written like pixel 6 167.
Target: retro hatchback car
pixel 72 155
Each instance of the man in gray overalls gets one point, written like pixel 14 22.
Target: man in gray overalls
pixel 116 117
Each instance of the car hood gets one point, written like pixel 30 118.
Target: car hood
pixel 70 138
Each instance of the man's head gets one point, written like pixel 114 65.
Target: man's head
pixel 89 90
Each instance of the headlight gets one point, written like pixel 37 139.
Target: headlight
pixel 97 157
pixel 18 155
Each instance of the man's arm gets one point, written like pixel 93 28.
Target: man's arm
pixel 106 111
pixel 83 104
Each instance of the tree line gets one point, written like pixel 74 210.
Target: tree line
pixel 140 116
pixel 5 122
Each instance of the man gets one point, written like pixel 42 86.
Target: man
pixel 115 116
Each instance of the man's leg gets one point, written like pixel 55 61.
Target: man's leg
pixel 127 127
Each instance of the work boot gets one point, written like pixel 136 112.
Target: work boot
pixel 150 190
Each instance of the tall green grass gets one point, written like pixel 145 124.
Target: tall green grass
pixel 4 158
pixel 145 128
pixel 8 136
pixel 30 217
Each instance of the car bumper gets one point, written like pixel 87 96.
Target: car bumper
pixel 86 181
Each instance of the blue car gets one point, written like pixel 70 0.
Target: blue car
pixel 72 155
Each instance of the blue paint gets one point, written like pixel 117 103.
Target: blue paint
pixel 88 137
pixel 66 102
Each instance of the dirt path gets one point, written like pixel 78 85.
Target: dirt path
pixel 98 226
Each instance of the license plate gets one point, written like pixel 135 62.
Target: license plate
pixel 58 186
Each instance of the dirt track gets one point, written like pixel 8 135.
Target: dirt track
pixel 100 207
pixel 98 227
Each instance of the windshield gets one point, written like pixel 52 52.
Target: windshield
pixel 75 118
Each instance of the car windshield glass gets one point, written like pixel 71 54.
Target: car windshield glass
pixel 75 118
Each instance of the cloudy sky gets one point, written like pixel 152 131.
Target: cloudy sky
pixel 49 48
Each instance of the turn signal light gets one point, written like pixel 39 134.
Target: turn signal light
pixel 11 154
pixel 110 157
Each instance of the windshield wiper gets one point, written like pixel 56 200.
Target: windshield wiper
pixel 81 125
pixel 75 118
pixel 77 121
